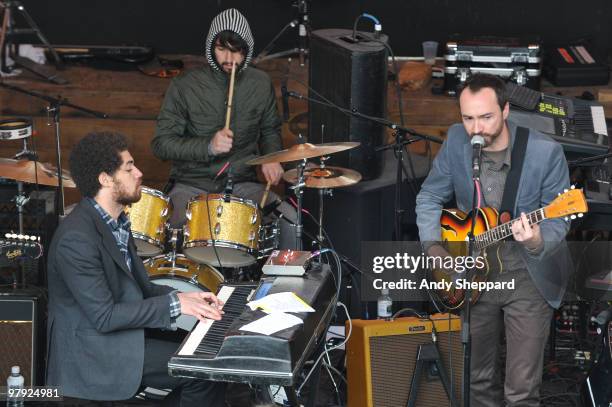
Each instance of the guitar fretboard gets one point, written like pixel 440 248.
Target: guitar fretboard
pixel 504 230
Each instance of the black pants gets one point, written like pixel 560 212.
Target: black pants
pixel 193 392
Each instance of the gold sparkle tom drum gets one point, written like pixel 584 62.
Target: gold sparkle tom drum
pixel 184 275
pixel 149 218
pixel 227 227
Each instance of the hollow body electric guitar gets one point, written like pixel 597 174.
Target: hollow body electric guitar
pixel 456 226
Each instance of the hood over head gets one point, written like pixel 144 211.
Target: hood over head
pixel 229 20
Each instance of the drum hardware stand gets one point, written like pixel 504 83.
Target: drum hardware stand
pixel 8 44
pixel 303 24
pixel 298 190
pixel 401 140
pixel 54 107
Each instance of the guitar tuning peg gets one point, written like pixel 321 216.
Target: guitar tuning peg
pixel 565 190
pixel 7 235
pixel 573 217
pixel 580 215
pixel 559 194
pixel 566 219
pixel 573 187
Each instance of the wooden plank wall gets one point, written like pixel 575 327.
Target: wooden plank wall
pixel 132 101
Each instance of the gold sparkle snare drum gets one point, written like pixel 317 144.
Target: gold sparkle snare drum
pixel 227 227
pixel 149 218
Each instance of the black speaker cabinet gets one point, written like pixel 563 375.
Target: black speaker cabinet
pixel 352 75
pixel 21 335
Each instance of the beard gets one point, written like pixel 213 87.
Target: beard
pixel 125 198
pixel 490 137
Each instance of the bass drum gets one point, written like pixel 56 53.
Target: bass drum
pixel 185 276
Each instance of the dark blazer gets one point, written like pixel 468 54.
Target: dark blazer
pixel 98 310
pixel 545 174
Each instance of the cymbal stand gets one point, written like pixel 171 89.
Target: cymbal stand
pixel 21 199
pixel 322 193
pixel 298 190
pixel 303 24
pixel 26 153
pixel 173 244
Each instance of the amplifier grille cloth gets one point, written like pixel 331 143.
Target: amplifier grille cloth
pixel 393 359
pixel 16 348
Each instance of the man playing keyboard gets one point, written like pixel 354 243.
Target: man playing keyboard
pixel 100 296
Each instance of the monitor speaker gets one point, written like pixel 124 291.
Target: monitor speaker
pixel 353 75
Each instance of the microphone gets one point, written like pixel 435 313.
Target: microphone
pixel 477 144
pixel 285 96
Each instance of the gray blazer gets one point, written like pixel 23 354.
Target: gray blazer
pixel 98 310
pixel 545 174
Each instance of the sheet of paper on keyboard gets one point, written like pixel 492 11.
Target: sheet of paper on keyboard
pixel 281 302
pixel 272 323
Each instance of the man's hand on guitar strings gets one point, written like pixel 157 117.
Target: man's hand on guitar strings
pixel 528 235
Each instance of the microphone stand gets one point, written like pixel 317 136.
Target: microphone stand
pixel 466 337
pixel 54 107
pixel 401 140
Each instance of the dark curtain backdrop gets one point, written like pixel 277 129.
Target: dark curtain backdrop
pixel 180 26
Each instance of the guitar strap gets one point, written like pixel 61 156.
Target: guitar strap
pixel 514 175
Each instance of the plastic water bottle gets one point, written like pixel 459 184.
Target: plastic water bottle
pixel 15 381
pixel 384 304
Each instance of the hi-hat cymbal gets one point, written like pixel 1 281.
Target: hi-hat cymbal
pixel 27 171
pixel 301 151
pixel 328 177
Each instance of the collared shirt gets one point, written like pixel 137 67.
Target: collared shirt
pixel 495 168
pixel 121 229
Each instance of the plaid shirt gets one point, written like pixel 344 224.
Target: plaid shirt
pixel 121 229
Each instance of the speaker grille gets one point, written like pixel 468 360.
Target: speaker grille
pixel 16 339
pixel 393 360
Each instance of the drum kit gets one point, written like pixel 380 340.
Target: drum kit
pixel 222 231
pixel 223 234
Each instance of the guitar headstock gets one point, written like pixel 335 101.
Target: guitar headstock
pixel 14 246
pixel 570 204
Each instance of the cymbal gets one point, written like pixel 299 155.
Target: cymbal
pixel 26 171
pixel 301 151
pixel 328 177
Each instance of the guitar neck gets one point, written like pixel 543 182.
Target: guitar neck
pixel 504 230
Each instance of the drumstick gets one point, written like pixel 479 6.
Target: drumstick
pixel 265 195
pixel 230 96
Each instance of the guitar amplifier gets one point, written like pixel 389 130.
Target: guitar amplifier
pixel 381 357
pixel 22 335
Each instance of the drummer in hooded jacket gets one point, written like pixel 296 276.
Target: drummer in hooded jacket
pixel 191 129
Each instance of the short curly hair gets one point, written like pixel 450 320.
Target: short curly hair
pixel 94 154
